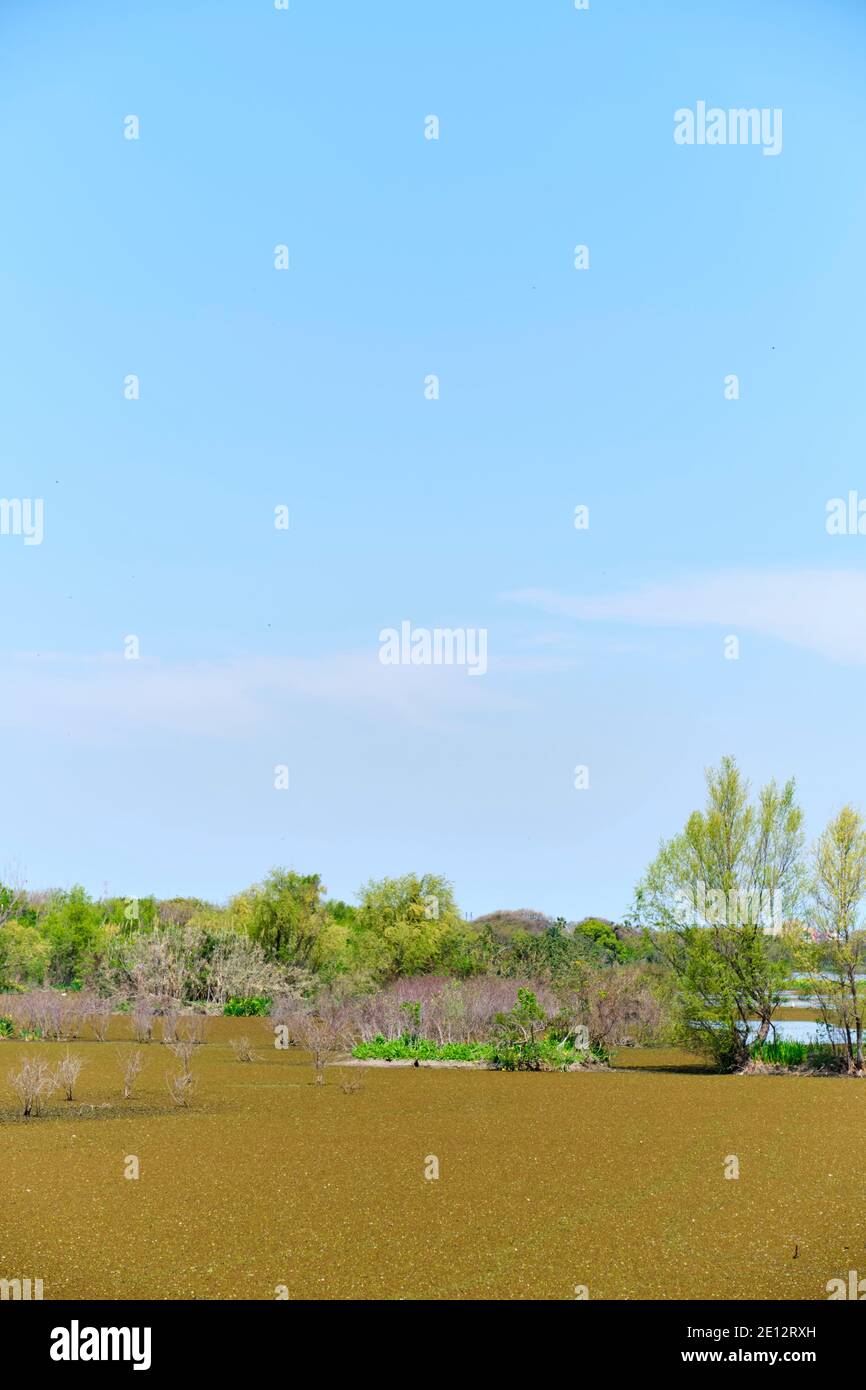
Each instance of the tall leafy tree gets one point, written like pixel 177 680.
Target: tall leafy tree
pixel 286 915
pixel 713 898
pixel 407 925
pixel 836 956
pixel 77 933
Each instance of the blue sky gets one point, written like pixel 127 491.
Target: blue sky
pixel 305 388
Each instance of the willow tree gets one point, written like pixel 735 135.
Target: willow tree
pixel 714 898
pixel 406 925
pixel 288 917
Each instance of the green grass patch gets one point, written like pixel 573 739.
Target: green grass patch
pixel 252 1006
pixel 542 1055
pixel 421 1050
pixel 786 1053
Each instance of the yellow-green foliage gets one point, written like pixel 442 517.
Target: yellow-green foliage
pixel 24 955
pixel 406 926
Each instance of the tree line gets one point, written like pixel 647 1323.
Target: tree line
pixel 732 910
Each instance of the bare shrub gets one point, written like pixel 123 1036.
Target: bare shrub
pixel 33 1083
pixel 289 1013
pixel 44 1013
pixel 181 958
pixel 17 1007
pixel 242 1048
pixel 619 1006
pixel 99 1013
pixel 183 1050
pixel 96 1009
pixel 192 1029
pixel 142 1020
pixel 7 1006
pixel 170 1015
pixel 353 1084
pixel 66 1074
pixel 69 1013
pixel 324 1034
pixel 440 1008
pixel 130 1064
pixel 237 967
pixel 180 1087
pixel 159 962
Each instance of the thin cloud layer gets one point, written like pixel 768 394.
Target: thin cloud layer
pixel 108 696
pixel 823 611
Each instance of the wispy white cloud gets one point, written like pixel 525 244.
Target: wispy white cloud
pixel 823 611
pixel 106 696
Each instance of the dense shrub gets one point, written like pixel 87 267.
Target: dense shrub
pixel 199 962
pixel 254 1006
pixel 519 1039
pixel 444 1010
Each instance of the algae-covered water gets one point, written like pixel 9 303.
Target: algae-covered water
pixel 547 1183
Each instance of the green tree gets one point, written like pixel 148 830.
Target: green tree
pixel 406 926
pixel 24 955
pixel 288 917
pixel 837 889
pixel 710 898
pixel 526 1018
pixel 75 928
pixel 603 935
pixel 518 1032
